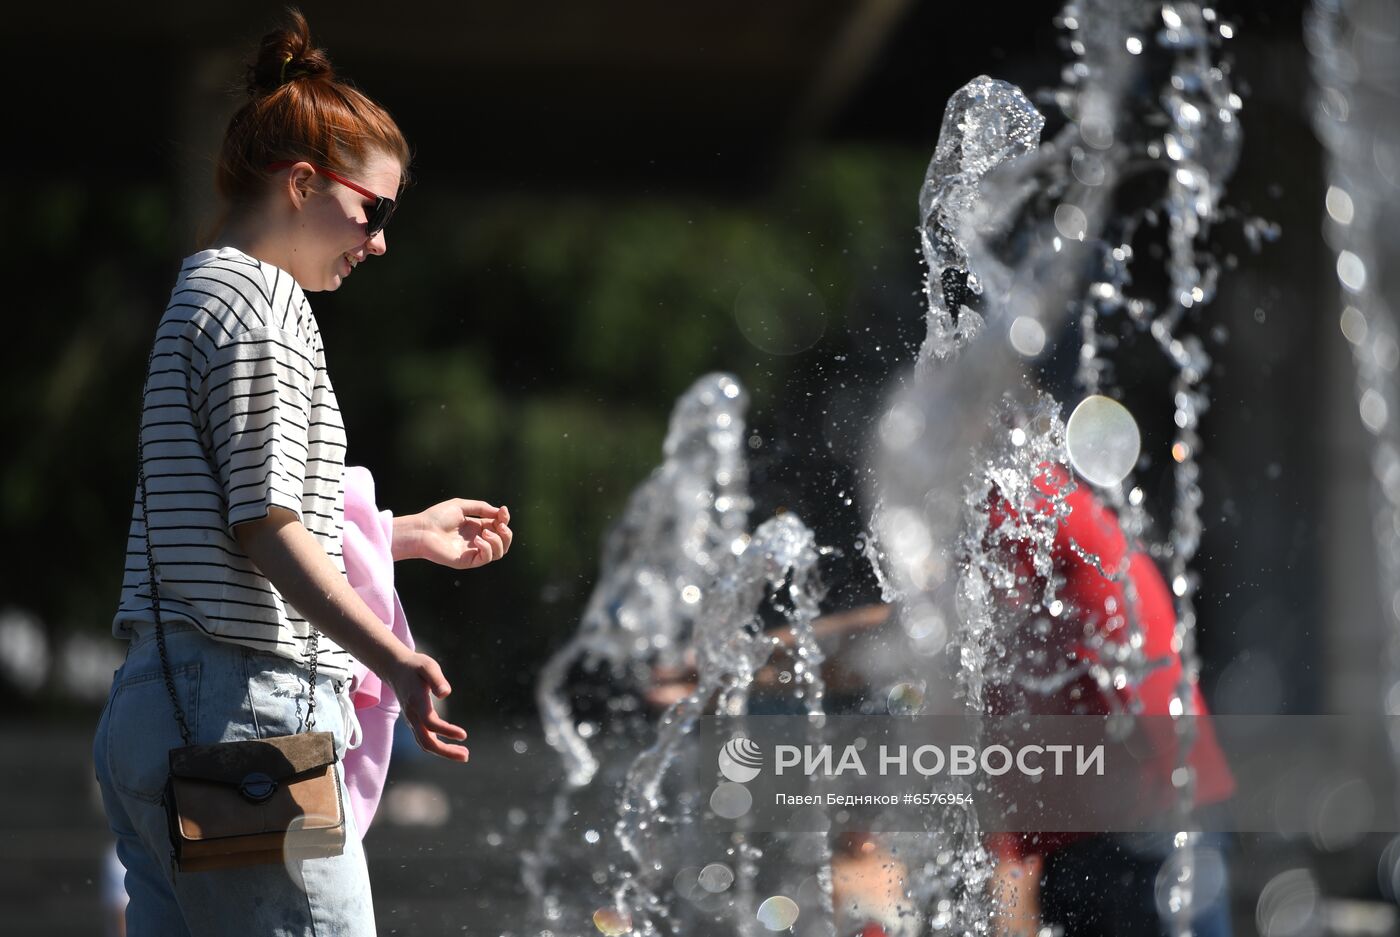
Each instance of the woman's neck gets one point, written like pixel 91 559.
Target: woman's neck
pixel 258 244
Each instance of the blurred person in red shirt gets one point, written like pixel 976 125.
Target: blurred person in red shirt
pixel 1092 884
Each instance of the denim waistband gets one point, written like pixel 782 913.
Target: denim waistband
pixel 143 631
pixel 143 636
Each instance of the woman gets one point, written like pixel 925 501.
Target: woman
pixel 242 462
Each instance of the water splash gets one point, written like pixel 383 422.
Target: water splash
pixel 731 646
pixel 1017 247
pixel 683 583
pixel 1354 45
pixel 1018 237
pixel 677 530
pixel 981 177
pixel 986 124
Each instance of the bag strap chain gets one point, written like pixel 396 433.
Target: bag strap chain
pixel 311 682
pixel 185 734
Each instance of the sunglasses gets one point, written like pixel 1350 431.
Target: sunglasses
pixel 377 213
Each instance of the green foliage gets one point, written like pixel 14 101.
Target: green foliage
pixel 522 349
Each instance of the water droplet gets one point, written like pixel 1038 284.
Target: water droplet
pixel 1353 325
pixel 907 535
pixel 1386 352
pixel 1027 336
pixel 1071 221
pixel 686 882
pixel 1388 870
pixel 1351 271
pixel 1342 814
pixel 1288 905
pixel 906 699
pixel 1207 878
pixel 1339 205
pixel 590 836
pixel 690 595
pixel 1103 440
pixel 731 800
pixel 782 314
pixel 926 628
pixel 716 877
pixel 1134 45
pixel 612 922
pixel 903 424
pixel 777 913
pixel 1374 412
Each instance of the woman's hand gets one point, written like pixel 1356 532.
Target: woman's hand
pixel 416 679
pixel 456 533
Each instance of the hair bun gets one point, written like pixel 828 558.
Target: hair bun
pixel 287 55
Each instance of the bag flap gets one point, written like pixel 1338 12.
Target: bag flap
pixel 200 811
pixel 280 758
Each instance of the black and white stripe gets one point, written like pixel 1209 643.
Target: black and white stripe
pixel 239 416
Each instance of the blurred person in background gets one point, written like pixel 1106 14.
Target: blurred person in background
pixel 1097 883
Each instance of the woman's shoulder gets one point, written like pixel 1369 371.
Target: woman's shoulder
pixel 235 294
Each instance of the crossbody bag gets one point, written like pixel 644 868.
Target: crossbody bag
pixel 254 802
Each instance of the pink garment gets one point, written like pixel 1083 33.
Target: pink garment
pixel 369 565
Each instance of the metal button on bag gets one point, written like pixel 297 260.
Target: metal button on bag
pixel 257 787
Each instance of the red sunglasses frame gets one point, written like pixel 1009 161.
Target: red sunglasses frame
pixel 380 212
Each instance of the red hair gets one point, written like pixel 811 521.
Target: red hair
pixel 299 110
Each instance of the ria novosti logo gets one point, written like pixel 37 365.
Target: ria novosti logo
pixel 740 760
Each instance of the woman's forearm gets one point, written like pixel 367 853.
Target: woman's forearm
pixel 294 561
pixel 407 537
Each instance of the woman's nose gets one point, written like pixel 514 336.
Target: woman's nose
pixel 377 244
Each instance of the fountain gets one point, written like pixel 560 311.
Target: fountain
pixel 1353 46
pixel 1033 242
pixel 675 533
pixel 1021 236
pixel 682 584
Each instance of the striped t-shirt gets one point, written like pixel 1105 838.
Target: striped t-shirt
pixel 239 416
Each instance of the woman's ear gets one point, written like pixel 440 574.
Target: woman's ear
pixel 300 182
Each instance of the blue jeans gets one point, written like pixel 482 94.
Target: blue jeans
pixel 228 692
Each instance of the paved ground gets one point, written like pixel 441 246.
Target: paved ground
pixel 443 854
